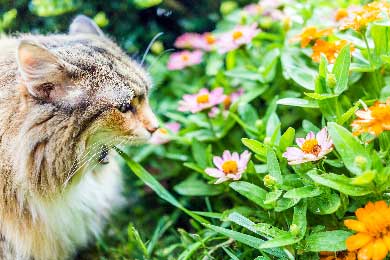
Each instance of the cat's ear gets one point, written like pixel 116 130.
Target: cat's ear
pixel 84 25
pixel 40 70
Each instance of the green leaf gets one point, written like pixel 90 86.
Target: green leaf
pixel 199 153
pixel 272 196
pixel 341 69
pixel 380 34
pixel 318 96
pixel 243 222
pixel 295 68
pixel 194 187
pixel 325 204
pixel 230 253
pixel 348 147
pixel 297 102
pixel 135 237
pixel 339 182
pixel 143 4
pixel 149 180
pixel 273 166
pixel 243 73
pixel 299 221
pixel 269 231
pixel 303 192
pixel 347 115
pixel 287 139
pixel 255 146
pixel 284 203
pixel 250 191
pixel 327 241
pixel 238 236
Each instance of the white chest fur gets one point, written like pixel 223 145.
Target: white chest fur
pixel 71 220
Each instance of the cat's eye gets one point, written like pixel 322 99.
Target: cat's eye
pixel 126 107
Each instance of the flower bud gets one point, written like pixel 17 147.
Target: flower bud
pixel 228 7
pixel 269 181
pixel 294 229
pixel 331 80
pixel 287 23
pixel 157 47
pixel 361 162
pixel 266 22
pixel 259 123
pixel 101 19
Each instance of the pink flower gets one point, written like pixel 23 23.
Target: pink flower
pixel 187 40
pixel 180 60
pixel 230 99
pixel 253 9
pixel 162 135
pixel 204 41
pixel 311 148
pixel 204 99
pixel 240 35
pixel 229 166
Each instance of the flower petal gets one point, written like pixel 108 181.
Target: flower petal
pixel 358 241
pixel 379 249
pixel 222 179
pixel 226 155
pixel 214 172
pixel 218 162
pixel 310 135
pixel 366 252
pixel 300 141
pixel 355 225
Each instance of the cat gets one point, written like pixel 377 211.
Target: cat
pixel 65 100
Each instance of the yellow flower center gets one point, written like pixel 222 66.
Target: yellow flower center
pixel 227 102
pixel 185 57
pixel 210 39
pixel 163 131
pixel 230 166
pixel 237 35
pixel 311 146
pixel 202 99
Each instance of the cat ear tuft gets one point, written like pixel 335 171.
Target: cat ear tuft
pixel 84 25
pixel 39 68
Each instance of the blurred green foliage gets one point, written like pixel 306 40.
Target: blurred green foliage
pixel 133 23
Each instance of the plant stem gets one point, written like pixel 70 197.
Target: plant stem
pixel 368 48
pixel 211 126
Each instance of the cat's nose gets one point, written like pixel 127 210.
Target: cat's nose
pixel 152 129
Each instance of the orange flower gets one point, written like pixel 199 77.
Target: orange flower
pixel 329 49
pixel 372 240
pixel 310 34
pixel 368 13
pixel 374 120
pixel 343 255
pixel 341 14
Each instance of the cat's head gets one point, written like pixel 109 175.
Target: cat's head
pixel 88 76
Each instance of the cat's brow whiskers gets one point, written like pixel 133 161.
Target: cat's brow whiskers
pixel 158 58
pixel 149 46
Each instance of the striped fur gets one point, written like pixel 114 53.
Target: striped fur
pixel 56 113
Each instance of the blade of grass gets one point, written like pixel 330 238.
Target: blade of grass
pixel 163 193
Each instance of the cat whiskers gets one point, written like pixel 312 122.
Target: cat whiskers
pixel 149 46
pixel 93 158
pixel 87 158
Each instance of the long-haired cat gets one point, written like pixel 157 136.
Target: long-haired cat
pixel 64 101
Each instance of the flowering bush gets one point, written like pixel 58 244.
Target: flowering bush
pixel 270 74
